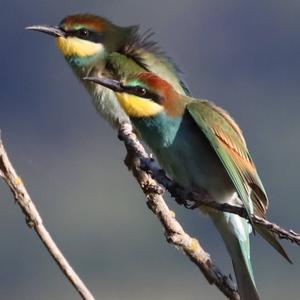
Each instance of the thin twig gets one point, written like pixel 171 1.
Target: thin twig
pixel 194 199
pixel 34 220
pixel 173 230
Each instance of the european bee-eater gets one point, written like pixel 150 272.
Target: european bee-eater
pixel 200 145
pixel 93 46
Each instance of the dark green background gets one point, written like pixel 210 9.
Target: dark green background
pixel 244 55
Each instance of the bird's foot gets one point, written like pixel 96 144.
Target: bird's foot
pixel 193 199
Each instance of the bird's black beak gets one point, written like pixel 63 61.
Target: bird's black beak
pixel 51 30
pixel 112 84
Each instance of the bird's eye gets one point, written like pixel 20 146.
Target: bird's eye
pixel 142 91
pixel 83 33
pixel 138 91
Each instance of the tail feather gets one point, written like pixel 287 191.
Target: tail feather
pixel 235 233
pixel 244 274
pixel 271 238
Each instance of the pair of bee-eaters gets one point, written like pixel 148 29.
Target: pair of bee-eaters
pixel 195 141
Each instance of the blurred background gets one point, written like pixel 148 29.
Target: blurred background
pixel 244 55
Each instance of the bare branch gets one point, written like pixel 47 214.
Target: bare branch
pixel 34 220
pixel 201 197
pixel 173 230
pixel 282 233
pixel 194 199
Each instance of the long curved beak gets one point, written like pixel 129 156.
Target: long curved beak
pixel 51 30
pixel 112 84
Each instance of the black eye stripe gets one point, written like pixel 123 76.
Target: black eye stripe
pixel 86 34
pixel 154 97
pixel 144 93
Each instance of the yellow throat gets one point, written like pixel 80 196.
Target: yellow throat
pixel 135 106
pixel 73 46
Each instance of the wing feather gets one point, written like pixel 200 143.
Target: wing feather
pixel 227 140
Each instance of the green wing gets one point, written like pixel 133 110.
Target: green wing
pixel 227 140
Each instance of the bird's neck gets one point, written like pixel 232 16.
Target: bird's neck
pixel 103 99
pixel 83 65
pixel 158 131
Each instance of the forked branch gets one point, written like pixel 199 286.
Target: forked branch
pixel 173 230
pixel 195 198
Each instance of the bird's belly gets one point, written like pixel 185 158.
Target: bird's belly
pixel 105 102
pixel 108 106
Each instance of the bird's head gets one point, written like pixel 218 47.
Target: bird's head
pixel 144 95
pixel 85 38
